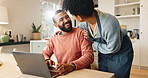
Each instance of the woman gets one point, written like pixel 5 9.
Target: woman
pixel 114 46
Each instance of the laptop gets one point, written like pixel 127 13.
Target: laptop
pixel 34 64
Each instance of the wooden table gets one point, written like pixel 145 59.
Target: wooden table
pixel 10 70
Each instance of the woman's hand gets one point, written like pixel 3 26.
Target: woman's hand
pixel 85 33
pixel 64 68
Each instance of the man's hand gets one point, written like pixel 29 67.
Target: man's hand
pixel 50 62
pixel 64 68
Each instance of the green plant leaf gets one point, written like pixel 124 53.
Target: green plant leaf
pixel 35 29
pixel 38 28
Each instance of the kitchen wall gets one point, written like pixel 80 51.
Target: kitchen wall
pixel 21 14
pixel 106 6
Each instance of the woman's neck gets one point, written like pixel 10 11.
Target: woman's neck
pixel 91 20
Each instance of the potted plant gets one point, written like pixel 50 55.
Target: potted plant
pixel 35 32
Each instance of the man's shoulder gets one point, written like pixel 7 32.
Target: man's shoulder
pixel 55 35
pixel 79 32
pixel 77 29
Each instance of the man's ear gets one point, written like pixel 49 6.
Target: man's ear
pixel 55 25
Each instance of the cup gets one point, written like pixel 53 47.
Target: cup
pixel 20 37
pixel 25 39
pixel 136 11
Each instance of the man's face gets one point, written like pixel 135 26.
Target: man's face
pixel 63 21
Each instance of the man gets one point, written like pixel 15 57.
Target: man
pixel 71 48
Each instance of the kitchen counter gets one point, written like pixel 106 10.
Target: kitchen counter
pixel 14 43
pixel 10 70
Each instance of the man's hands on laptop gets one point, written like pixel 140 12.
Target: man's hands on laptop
pixel 49 62
pixel 64 68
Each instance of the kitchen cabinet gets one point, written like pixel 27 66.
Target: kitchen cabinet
pixel 37 46
pixel 136 47
pixel 18 47
pixel 128 14
pixel 144 33
pixel 135 20
pixel 127 8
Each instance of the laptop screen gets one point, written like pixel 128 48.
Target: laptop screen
pixel 33 64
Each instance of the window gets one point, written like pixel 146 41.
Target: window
pixel 48 9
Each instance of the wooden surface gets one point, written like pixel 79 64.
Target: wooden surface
pixel 87 73
pixel 138 73
pixel 10 70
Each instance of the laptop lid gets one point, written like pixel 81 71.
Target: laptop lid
pixel 32 64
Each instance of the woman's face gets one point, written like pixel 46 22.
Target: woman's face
pixel 78 18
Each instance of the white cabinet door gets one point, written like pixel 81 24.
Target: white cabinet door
pixel 37 46
pixel 136 47
pixel 144 32
pixel 144 4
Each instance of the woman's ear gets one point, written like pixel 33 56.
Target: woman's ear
pixel 80 18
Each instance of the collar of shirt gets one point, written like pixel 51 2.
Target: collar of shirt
pixel 93 34
pixel 60 33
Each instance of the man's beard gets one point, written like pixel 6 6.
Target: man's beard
pixel 66 29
